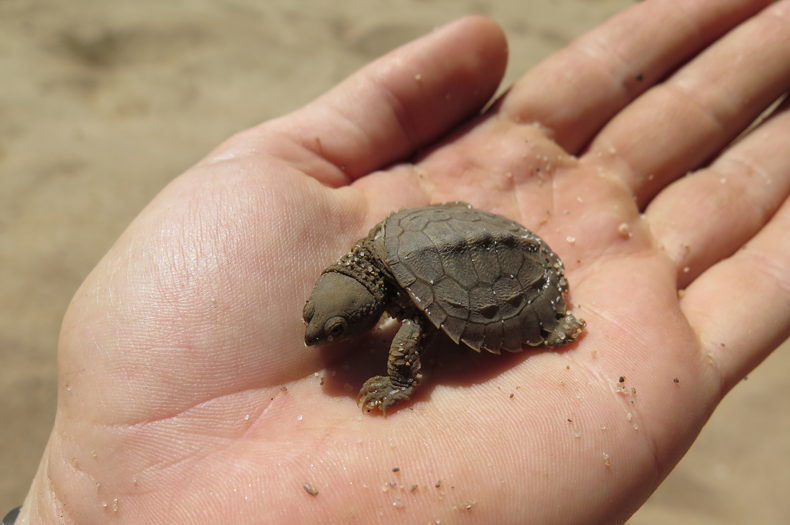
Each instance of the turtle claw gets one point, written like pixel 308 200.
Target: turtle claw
pixel 379 392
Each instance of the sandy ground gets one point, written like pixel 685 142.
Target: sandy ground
pixel 101 104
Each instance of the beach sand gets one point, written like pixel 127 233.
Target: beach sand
pixel 101 104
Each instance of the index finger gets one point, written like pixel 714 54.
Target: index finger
pixel 579 89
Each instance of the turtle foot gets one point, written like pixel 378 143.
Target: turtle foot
pixel 566 332
pixel 380 392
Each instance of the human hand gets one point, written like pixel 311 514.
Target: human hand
pixel 187 395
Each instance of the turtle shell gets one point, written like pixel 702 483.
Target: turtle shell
pixel 481 278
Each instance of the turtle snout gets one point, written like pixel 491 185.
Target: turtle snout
pixel 308 312
pixel 312 334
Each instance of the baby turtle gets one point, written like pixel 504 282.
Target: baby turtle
pixel 481 278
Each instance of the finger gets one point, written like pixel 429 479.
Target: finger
pixel 680 124
pixel 706 217
pixel 576 91
pixel 389 109
pixel 740 308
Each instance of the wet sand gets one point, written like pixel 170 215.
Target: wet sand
pixel 102 104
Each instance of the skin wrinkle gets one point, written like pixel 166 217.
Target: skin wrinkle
pixel 190 459
pixel 590 159
pixel 281 142
pixel 749 166
pixel 183 412
pixel 706 353
pixel 766 265
pixel 587 46
pixel 59 506
pixel 718 92
pixel 737 189
pixel 348 175
pixel 549 131
pixel 675 90
pixel 612 251
pixel 423 180
pixel 56 501
pixel 401 116
pixel 682 256
pixel 629 173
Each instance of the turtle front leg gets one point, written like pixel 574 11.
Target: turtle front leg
pixel 403 368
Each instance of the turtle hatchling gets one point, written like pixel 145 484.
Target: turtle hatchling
pixel 480 278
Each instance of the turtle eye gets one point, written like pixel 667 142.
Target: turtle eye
pixel 335 327
pixel 308 312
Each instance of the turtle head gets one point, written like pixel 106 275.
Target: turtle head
pixel 339 308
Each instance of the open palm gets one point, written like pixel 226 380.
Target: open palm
pixel 187 394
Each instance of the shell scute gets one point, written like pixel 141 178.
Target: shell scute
pixel 483 304
pixel 548 309
pixel 436 313
pixel 427 265
pixel 415 223
pixel 457 261
pixel 495 334
pixel 391 244
pixel 511 259
pixel 402 274
pixel 510 295
pixel 530 326
pixel 514 332
pixel 532 276
pixel 453 298
pixel 454 328
pixel 484 257
pixel 437 215
pixel 473 335
pixel 422 293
